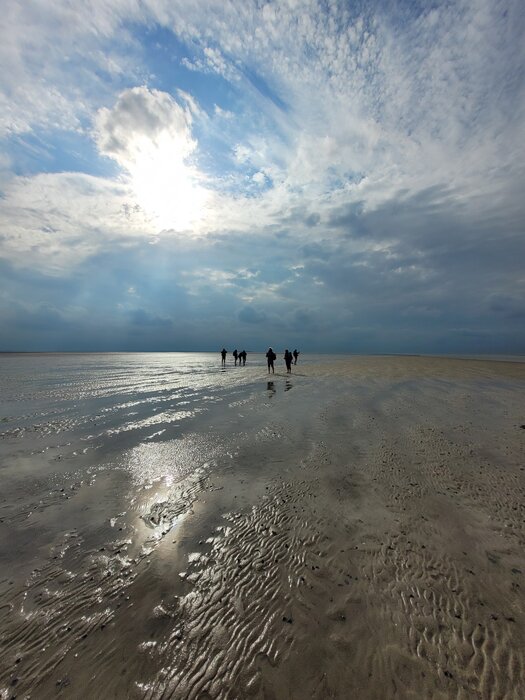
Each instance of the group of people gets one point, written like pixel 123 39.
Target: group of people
pixel 241 356
pixel 237 356
pixel 288 358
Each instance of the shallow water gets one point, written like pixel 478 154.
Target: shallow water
pixel 170 529
pixel 102 456
pixel 66 419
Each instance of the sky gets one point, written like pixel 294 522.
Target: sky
pixel 329 175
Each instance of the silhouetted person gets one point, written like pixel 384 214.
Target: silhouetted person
pixel 270 358
pixel 295 356
pixel 242 356
pixel 235 356
pixel 223 355
pixel 288 357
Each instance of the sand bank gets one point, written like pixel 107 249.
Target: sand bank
pixel 354 530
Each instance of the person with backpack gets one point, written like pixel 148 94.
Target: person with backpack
pixel 270 358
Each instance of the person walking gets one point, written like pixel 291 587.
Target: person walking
pixel 235 356
pixel 295 356
pixel 288 357
pixel 270 358
pixel 223 355
pixel 242 356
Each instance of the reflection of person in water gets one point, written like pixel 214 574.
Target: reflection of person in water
pixel 270 358
pixel 288 357
pixel 295 356
pixel 235 355
pixel 223 355
pixel 271 389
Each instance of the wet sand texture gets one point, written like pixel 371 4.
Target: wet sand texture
pixel 356 530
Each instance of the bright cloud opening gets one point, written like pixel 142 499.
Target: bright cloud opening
pixel 149 134
pixel 167 189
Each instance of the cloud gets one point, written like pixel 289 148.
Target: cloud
pixel 259 178
pixel 248 314
pixel 312 219
pixel 42 317
pixel 149 134
pixel 140 317
pixel 143 119
pixel 509 306
pixel 59 61
pixel 54 221
pixel 362 177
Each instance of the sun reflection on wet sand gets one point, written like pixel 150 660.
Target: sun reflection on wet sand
pixel 258 543
pixel 170 461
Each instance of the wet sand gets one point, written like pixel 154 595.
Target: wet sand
pixel 354 530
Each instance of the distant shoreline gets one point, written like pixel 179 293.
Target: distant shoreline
pixel 489 357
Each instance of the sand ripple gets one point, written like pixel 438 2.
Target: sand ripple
pixel 347 539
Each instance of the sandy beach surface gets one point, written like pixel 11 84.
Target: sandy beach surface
pixel 353 530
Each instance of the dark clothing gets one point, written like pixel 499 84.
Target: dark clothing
pixel 295 356
pixel 288 357
pixel 223 355
pixel 271 357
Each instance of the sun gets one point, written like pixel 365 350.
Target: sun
pixel 165 186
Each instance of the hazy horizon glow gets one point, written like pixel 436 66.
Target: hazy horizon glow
pixel 328 176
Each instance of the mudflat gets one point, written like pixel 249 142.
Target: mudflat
pixel 353 530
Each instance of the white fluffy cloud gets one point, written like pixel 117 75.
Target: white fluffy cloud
pixel 140 120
